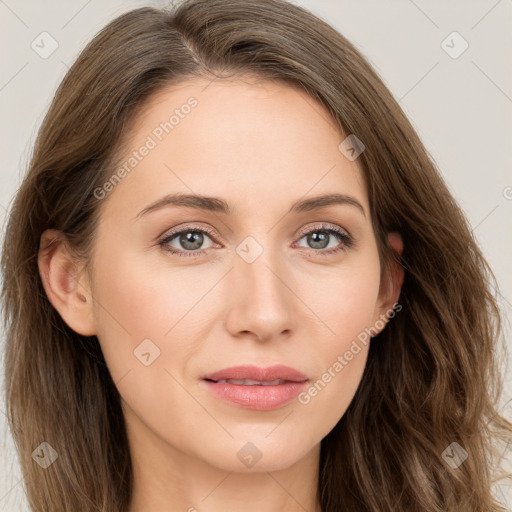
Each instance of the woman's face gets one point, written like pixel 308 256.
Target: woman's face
pixel 181 290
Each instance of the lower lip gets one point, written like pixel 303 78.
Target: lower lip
pixel 260 398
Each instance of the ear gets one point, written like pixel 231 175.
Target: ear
pixel 393 278
pixel 65 282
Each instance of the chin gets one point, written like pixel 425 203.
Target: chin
pixel 258 453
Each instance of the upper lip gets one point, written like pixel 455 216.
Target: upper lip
pixel 251 372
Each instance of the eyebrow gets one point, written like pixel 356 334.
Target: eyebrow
pixel 218 205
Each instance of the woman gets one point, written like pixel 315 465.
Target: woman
pixel 233 278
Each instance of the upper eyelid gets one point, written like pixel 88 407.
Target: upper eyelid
pixel 172 232
pixel 317 227
pixel 323 226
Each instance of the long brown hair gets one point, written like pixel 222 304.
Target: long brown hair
pixel 432 376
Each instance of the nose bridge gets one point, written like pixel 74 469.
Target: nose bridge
pixel 262 303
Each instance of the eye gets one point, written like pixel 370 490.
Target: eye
pixel 320 237
pixel 189 240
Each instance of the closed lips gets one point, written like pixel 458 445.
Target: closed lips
pixel 250 375
pixel 256 388
pixel 249 382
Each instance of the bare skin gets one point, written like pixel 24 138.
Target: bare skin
pixel 260 147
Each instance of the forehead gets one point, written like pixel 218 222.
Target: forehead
pixel 255 140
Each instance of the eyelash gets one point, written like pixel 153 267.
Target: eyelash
pixel 346 240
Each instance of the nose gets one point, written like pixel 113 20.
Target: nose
pixel 262 305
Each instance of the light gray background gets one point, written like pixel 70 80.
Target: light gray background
pixel 461 108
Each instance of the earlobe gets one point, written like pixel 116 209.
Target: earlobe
pixel 65 283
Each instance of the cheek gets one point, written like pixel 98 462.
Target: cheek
pixel 345 299
pixel 146 332
pixel 130 306
pixel 150 319
pixel 137 301
pixel 349 311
